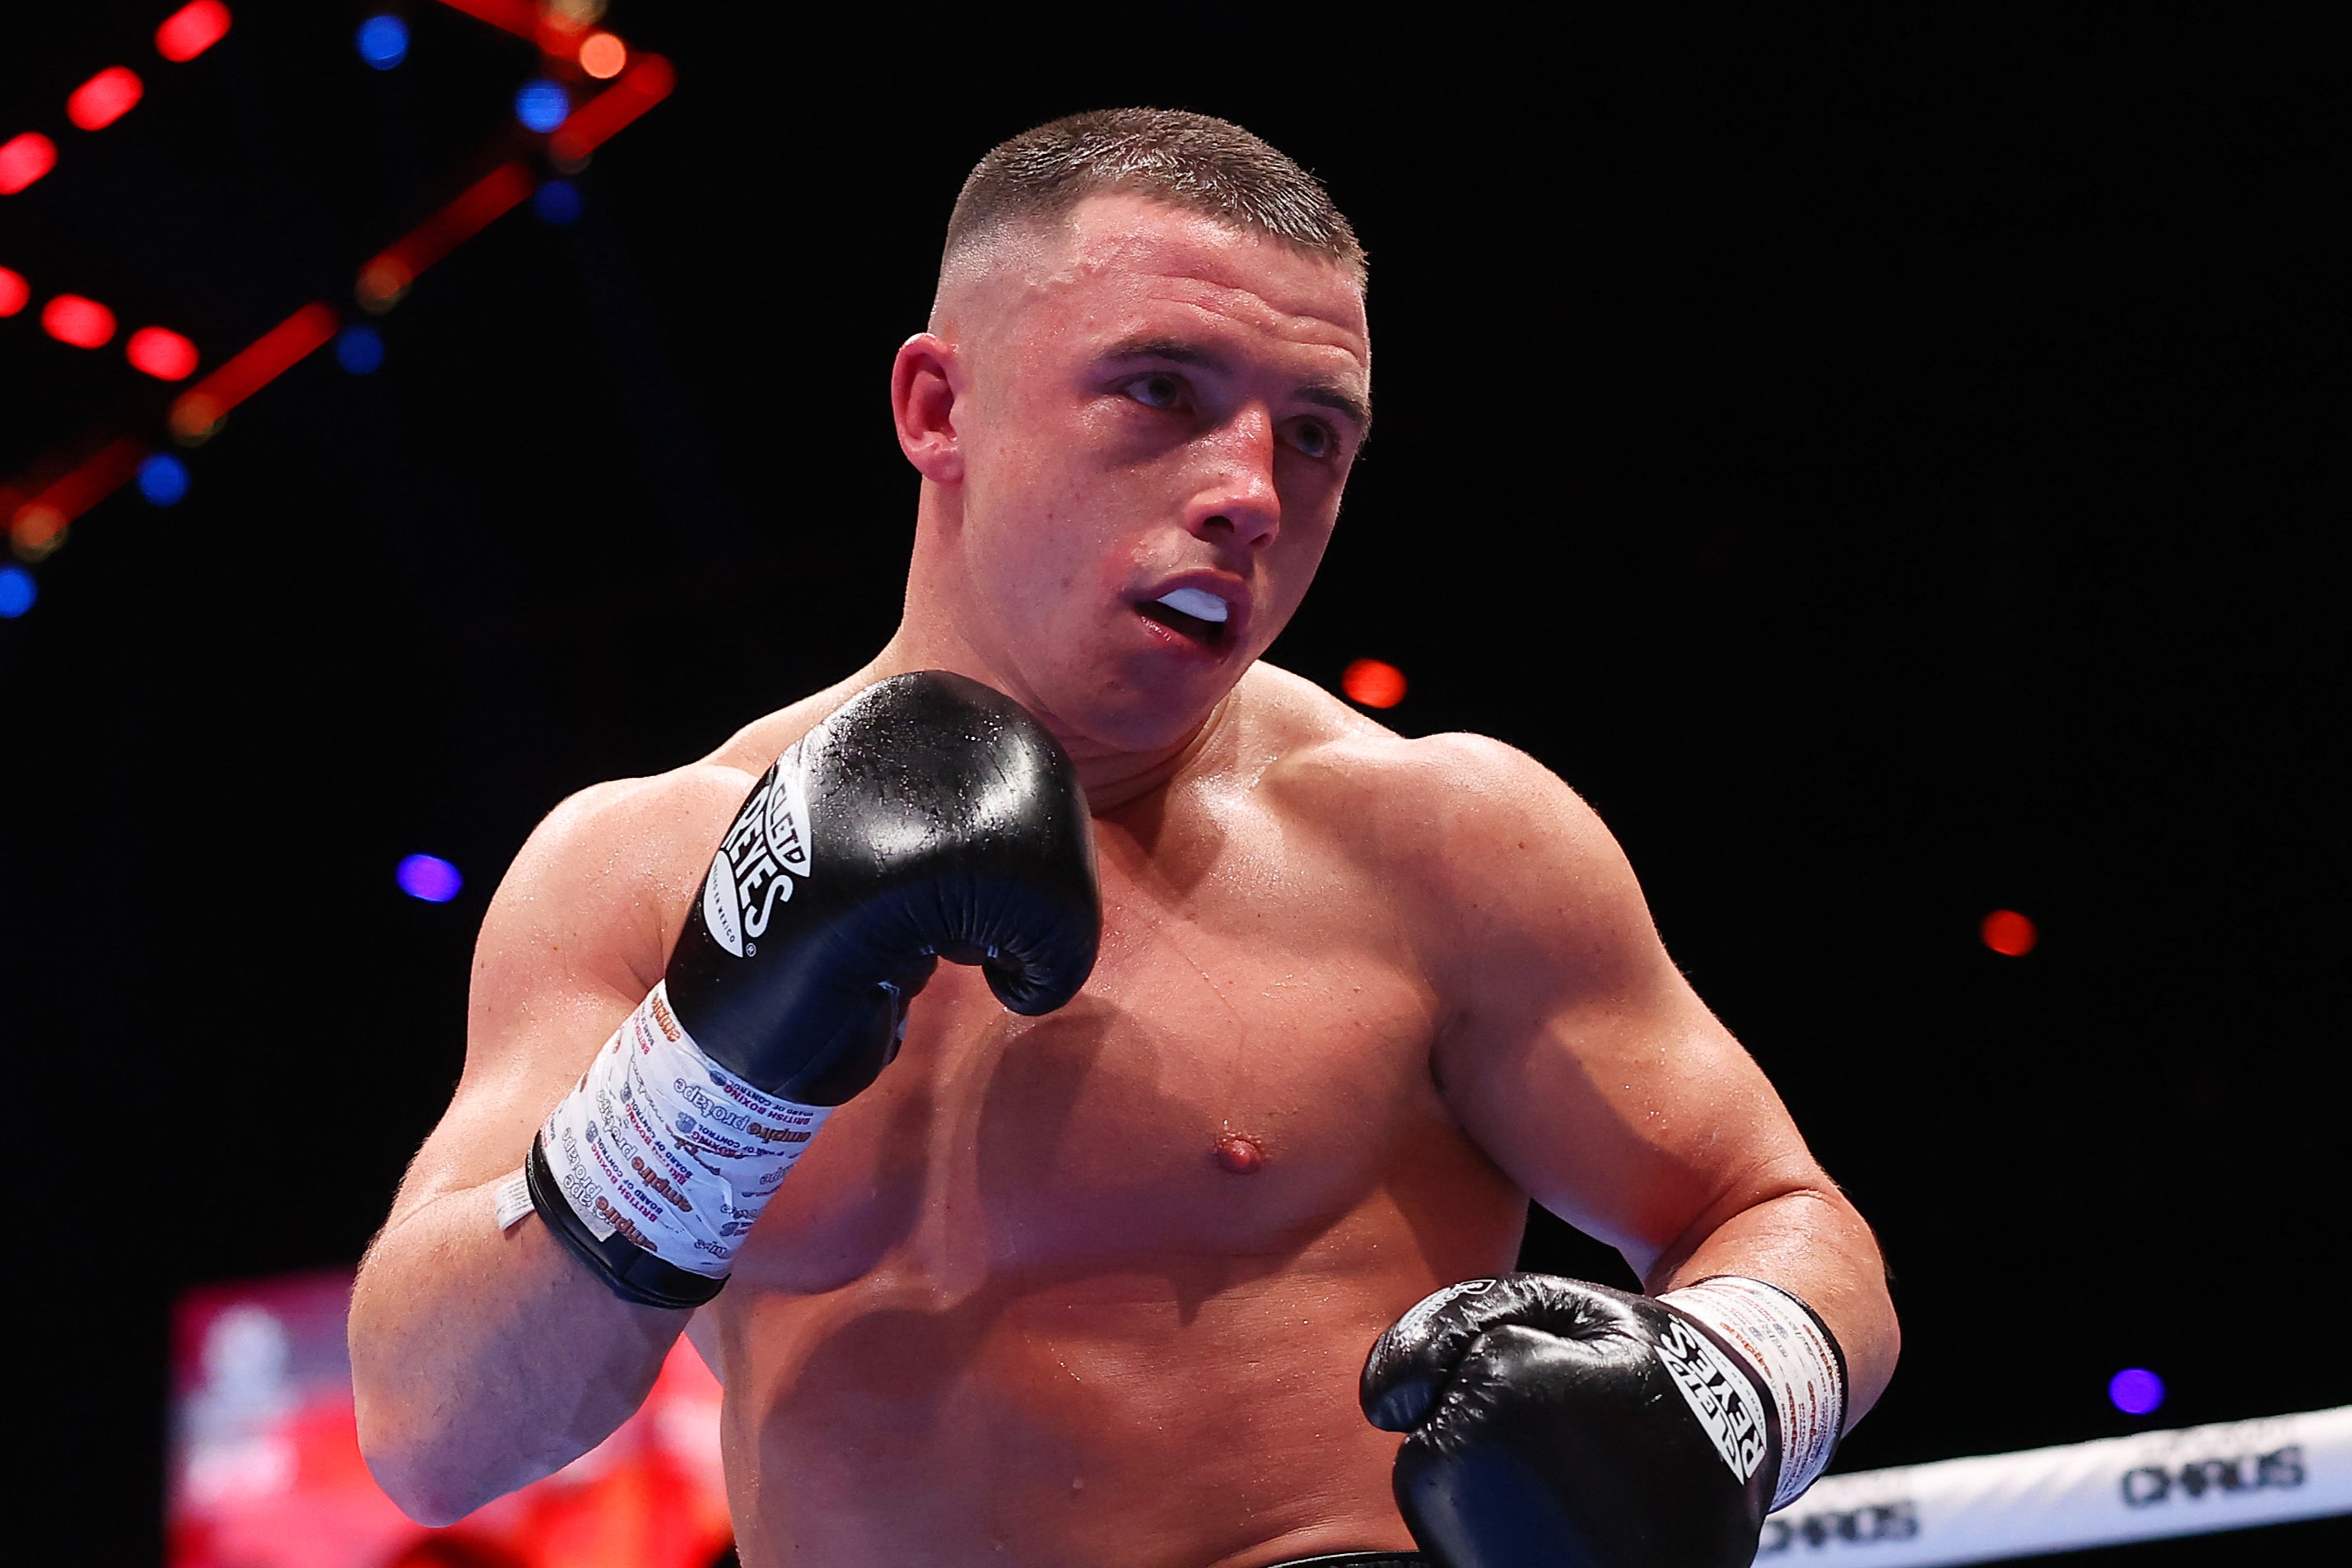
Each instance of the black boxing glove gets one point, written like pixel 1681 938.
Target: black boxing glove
pixel 1556 1424
pixel 928 818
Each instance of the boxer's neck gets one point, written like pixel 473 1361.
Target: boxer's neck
pixel 1116 779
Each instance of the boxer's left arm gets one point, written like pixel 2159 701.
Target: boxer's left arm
pixel 1575 1053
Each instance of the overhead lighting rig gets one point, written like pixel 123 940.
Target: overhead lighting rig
pixel 590 87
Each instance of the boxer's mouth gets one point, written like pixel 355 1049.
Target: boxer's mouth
pixel 1194 613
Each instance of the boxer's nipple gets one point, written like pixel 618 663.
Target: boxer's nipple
pixel 1240 1154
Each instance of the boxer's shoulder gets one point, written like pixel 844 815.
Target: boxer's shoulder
pixel 1483 848
pixel 1419 801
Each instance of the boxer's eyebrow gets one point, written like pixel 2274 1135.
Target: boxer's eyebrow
pixel 1341 400
pixel 1174 348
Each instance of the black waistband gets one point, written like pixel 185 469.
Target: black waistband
pixel 1359 1559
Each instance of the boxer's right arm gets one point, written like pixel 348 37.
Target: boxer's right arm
pixel 483 1359
pixel 928 817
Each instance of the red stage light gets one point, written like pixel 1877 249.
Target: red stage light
pixel 39 524
pixel 386 276
pixel 2010 933
pixel 104 98
pixel 25 158
pixel 14 291
pixel 1373 684
pixel 164 354
pixel 197 412
pixel 190 30
pixel 602 55
pixel 84 323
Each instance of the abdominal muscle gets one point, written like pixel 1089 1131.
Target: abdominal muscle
pixel 1178 1417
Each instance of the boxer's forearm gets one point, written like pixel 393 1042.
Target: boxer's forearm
pixel 483 1359
pixel 1811 1243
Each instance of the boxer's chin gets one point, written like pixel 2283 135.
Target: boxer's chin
pixel 1145 715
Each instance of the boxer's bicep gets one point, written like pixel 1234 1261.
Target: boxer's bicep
pixel 1574 1052
pixel 576 934
pixel 1641 1125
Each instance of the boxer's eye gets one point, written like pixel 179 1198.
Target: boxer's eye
pixel 1158 390
pixel 1314 438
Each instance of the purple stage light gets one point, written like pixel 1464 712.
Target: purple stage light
pixel 430 878
pixel 2136 1391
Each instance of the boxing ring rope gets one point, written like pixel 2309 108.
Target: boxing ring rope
pixel 2141 1488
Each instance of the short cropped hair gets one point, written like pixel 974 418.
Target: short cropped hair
pixel 1193 161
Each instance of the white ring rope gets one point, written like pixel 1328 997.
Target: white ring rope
pixel 2141 1488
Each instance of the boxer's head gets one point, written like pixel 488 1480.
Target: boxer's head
pixel 1147 371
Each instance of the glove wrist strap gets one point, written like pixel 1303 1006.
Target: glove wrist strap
pixel 661 1151
pixel 1794 1355
pixel 632 1273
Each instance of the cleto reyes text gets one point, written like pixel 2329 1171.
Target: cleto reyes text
pixel 766 848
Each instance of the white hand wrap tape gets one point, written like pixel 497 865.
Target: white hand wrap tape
pixel 1790 1356
pixel 664 1146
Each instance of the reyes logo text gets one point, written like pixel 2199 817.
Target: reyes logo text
pixel 763 853
pixel 1721 1397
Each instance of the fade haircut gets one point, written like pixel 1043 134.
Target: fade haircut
pixel 1192 162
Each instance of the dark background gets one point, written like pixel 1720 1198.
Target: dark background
pixel 1890 476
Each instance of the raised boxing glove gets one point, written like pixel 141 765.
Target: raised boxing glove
pixel 929 816
pixel 1556 1424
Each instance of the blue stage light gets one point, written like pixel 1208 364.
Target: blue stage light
pixel 430 878
pixel 557 201
pixel 383 41
pixel 542 104
pixel 359 348
pixel 17 592
pixel 2136 1391
pixel 163 479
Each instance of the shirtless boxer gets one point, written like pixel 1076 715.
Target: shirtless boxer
pixel 1095 1283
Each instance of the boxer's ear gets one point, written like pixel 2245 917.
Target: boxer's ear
pixel 925 382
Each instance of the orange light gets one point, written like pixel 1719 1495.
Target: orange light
pixel 383 283
pixel 13 292
pixel 162 354
pixel 2010 933
pixel 84 323
pixel 24 159
pixel 36 530
pixel 190 30
pixel 1373 684
pixel 104 98
pixel 602 55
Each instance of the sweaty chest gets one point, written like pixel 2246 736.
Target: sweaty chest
pixel 1239 1073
